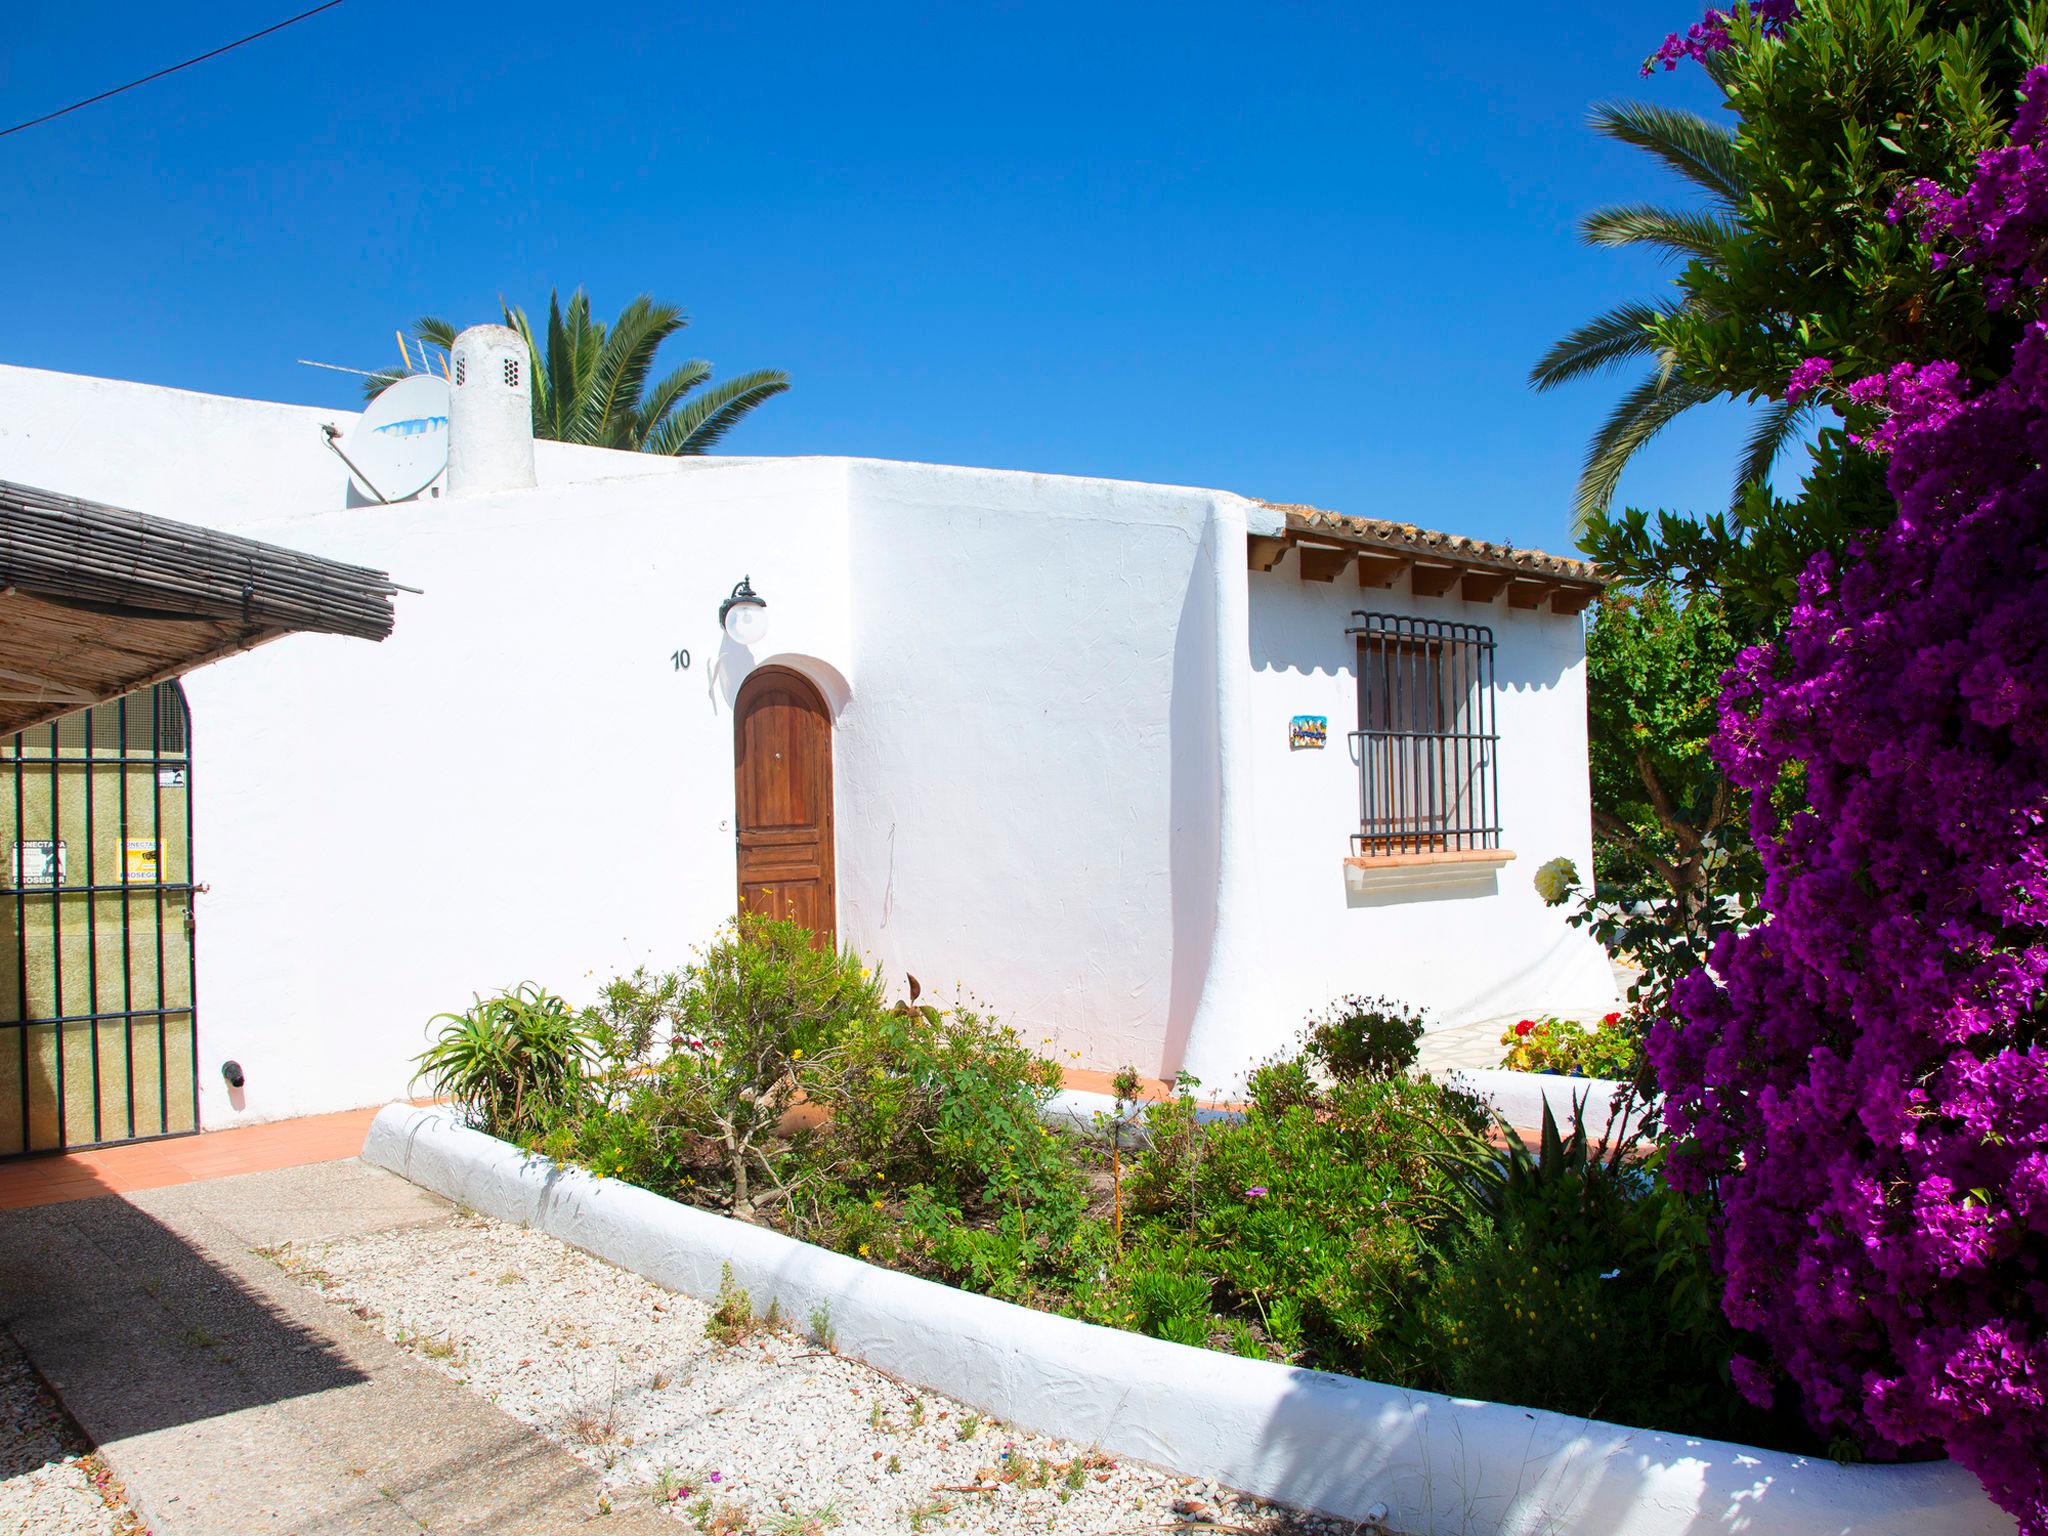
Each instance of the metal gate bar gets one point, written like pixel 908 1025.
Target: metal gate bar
pixel 163 1011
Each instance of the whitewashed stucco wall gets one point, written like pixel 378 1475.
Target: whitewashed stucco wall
pixel 214 459
pixel 1060 710
pixel 1464 947
pixel 1011 820
pixel 518 785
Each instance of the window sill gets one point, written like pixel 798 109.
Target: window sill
pixel 1495 856
pixel 1371 879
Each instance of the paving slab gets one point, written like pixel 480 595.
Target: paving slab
pixel 233 1402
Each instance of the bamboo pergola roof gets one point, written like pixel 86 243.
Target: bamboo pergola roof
pixel 97 601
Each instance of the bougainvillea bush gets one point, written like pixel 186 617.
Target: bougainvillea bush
pixel 1863 1078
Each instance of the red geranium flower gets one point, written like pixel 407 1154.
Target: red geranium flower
pixel 1525 1026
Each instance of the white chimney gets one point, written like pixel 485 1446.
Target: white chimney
pixel 490 413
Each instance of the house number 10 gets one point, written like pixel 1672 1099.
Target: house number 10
pixel 682 661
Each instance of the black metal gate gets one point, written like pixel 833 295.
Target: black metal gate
pixel 97 1022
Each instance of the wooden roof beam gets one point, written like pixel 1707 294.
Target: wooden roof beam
pixel 1322 562
pixel 1527 594
pixel 1432 580
pixel 1481 586
pixel 1381 570
pixel 1569 600
pixel 1264 553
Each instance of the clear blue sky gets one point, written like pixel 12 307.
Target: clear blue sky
pixel 1303 252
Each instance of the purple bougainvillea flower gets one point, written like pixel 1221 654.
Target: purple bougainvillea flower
pixel 1863 1077
pixel 1806 378
pixel 1256 1192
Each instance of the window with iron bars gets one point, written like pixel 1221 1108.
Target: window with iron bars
pixel 1425 743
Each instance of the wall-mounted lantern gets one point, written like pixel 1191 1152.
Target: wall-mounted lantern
pixel 744 615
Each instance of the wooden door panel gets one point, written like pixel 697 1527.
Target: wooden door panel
pixel 782 790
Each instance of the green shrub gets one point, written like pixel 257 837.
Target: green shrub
pixel 945 1098
pixel 1365 1038
pixel 1354 1218
pixel 1592 1295
pixel 1313 1217
pixel 632 1016
pixel 511 1063
pixel 1609 1049
pixel 936 1156
pixel 700 1122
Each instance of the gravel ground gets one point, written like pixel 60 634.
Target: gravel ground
pixel 770 1434
pixel 50 1482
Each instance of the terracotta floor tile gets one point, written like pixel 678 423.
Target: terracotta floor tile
pixel 183 1160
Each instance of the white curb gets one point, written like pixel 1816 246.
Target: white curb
pixel 1520 1096
pixel 1306 1438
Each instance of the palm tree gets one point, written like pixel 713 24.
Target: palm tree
pixel 590 380
pixel 1703 153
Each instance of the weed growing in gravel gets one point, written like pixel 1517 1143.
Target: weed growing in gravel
pixel 593 1427
pixel 722 1519
pixel 969 1423
pixel 917 1413
pixel 196 1337
pixel 659 1381
pixel 443 1348
pixel 821 1327
pixel 510 1277
pixel 732 1321
pixel 895 1463
pixel 800 1522
pixel 922 1516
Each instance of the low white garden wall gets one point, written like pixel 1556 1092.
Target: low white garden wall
pixel 1520 1096
pixel 1425 1464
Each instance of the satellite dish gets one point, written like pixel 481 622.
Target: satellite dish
pixel 400 442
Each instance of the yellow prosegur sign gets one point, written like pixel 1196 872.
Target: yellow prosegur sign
pixel 139 861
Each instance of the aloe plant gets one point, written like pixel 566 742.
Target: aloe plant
pixel 510 1061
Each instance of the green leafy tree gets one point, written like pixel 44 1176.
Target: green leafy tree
pixel 591 381
pixel 1836 115
pixel 1665 818
pixel 1674 865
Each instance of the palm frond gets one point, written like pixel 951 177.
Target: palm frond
pixel 538 383
pixel 1636 418
pixel 433 331
pixel 697 426
pixel 664 396
pixel 608 410
pixel 1674 231
pixel 1777 427
pixel 568 336
pixel 1624 332
pixel 1701 151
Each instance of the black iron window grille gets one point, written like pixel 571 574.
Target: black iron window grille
pixel 1426 746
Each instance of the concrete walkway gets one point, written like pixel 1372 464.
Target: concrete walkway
pixel 233 1402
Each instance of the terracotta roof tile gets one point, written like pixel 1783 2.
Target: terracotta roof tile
pixel 1408 539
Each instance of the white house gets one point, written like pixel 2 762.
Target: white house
pixel 1150 770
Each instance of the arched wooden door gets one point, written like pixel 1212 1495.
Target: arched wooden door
pixel 782 783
